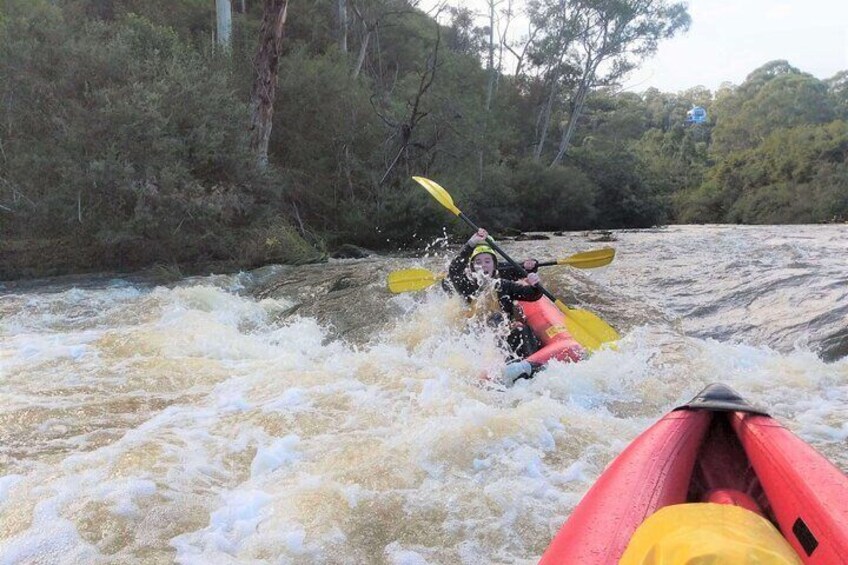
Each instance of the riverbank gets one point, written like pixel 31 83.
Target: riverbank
pixel 26 259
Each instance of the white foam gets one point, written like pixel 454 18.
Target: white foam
pixel 232 437
pixel 120 494
pixel 7 483
pixel 397 555
pixel 292 399
pixel 51 539
pixel 229 526
pixel 270 458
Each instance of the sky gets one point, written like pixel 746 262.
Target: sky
pixel 728 39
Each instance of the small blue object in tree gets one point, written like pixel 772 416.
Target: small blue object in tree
pixel 696 115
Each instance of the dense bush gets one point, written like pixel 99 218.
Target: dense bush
pixel 778 152
pixel 796 176
pixel 532 196
pixel 138 141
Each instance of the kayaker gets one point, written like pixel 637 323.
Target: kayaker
pixel 475 274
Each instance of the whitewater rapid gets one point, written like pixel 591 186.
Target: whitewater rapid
pixel 208 422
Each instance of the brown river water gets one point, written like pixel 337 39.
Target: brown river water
pixel 305 415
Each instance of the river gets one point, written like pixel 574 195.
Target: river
pixel 305 415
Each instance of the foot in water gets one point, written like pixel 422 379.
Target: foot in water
pixel 518 370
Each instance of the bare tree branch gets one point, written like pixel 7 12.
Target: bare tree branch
pixel 407 128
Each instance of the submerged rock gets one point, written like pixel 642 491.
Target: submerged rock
pixel 349 298
pixel 834 346
pixel 600 236
pixel 509 232
pixel 531 237
pixel 349 251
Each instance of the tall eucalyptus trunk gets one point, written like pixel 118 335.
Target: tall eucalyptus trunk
pixel 545 119
pixel 363 50
pixel 264 89
pixel 576 112
pixel 490 87
pixel 224 13
pixel 342 7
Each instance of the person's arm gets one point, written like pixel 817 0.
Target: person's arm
pixel 510 273
pixel 519 291
pixel 456 272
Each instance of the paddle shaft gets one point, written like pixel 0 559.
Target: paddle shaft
pixel 509 259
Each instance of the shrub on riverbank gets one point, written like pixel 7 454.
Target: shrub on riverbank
pixel 124 147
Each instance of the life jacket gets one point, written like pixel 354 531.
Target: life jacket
pixel 707 533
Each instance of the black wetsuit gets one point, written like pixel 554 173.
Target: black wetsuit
pixel 507 271
pixel 520 340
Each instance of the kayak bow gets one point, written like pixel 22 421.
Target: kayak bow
pixel 717 449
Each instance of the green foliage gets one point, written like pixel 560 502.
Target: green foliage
pixel 774 96
pixel 797 175
pixel 794 176
pixel 623 198
pixel 192 19
pixel 274 241
pixel 552 198
pixel 837 87
pixel 124 139
pixel 699 205
pixel 671 161
pixel 139 145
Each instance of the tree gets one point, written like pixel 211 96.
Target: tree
pixel 224 13
pixel 342 14
pixel 264 88
pixel 837 86
pixel 405 128
pixel 374 16
pixel 557 24
pixel 777 95
pixel 615 34
pixel 369 25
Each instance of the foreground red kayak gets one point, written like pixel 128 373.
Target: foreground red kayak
pixel 713 478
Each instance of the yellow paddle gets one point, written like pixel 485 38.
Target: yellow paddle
pixel 588 329
pixel 417 278
pixel 585 259
pixel 409 280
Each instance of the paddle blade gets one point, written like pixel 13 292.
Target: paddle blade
pixel 590 259
pixel 586 328
pixel 410 280
pixel 439 193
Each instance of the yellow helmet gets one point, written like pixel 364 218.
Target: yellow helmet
pixel 482 249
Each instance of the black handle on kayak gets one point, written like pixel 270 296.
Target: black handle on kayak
pixel 509 259
pixel 547 263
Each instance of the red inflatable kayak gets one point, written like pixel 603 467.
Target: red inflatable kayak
pixel 717 449
pixel 548 324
